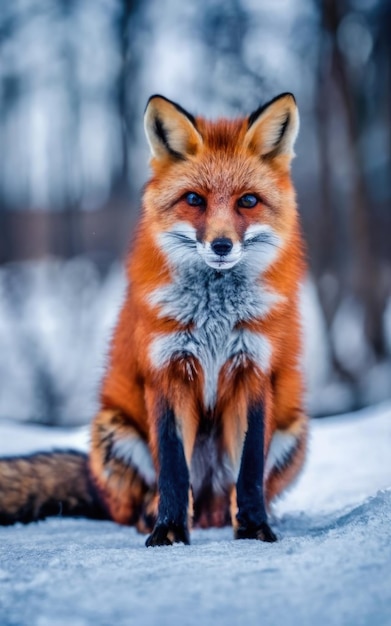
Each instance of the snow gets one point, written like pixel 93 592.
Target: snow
pixel 332 565
pixel 26 438
pixel 56 318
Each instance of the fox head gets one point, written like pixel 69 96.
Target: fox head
pixel 221 192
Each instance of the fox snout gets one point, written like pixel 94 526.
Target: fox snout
pixel 220 253
pixel 258 247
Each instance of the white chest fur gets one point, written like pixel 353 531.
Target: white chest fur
pixel 213 304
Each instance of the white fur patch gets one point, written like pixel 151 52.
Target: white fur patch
pixel 134 451
pixel 212 351
pixel 282 445
pixel 246 343
pixel 179 243
pixel 262 246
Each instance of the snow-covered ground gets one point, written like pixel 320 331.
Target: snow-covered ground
pixel 332 565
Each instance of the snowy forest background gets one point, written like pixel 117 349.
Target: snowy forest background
pixel 74 80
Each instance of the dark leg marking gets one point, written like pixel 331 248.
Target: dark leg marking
pixel 173 485
pixel 252 515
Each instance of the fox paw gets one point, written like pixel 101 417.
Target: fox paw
pixel 167 534
pixel 262 533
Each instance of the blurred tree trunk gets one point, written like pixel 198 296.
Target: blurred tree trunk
pixel 6 243
pixel 224 27
pixel 366 271
pixel 126 100
pixel 72 243
pixel 325 253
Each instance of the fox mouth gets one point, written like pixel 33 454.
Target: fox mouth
pixel 219 261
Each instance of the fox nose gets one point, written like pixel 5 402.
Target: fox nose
pixel 221 246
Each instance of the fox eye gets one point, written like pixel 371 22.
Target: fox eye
pixel 194 199
pixel 248 201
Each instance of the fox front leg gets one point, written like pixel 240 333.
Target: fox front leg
pixel 173 484
pixel 251 516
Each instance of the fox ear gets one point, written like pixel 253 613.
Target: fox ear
pixel 171 131
pixel 273 128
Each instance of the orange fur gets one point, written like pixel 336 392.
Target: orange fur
pixel 221 161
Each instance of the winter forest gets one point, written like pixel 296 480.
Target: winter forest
pixel 74 81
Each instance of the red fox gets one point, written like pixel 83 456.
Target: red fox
pixel 201 418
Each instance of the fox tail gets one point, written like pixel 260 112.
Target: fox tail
pixel 47 484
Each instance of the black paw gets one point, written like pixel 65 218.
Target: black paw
pixel 167 534
pixel 262 533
